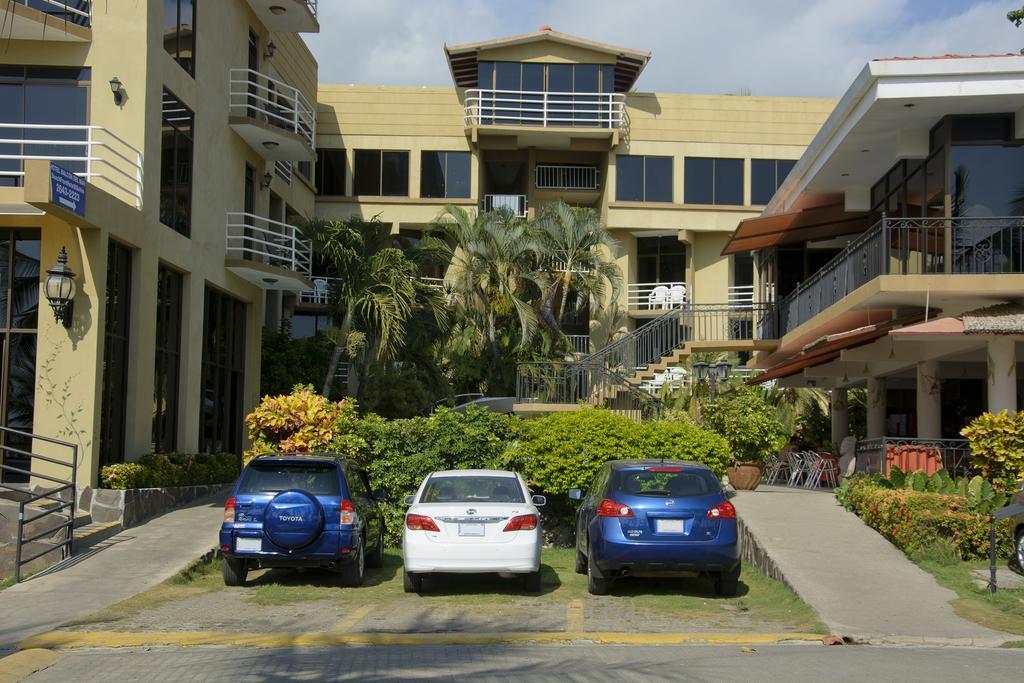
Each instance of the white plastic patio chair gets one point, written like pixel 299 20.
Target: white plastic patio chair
pixel 677 296
pixel 657 297
pixel 319 290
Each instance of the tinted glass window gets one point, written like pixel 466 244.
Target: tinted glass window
pixel 168 360
pixel 113 418
pixel 444 174
pixel 658 179
pixel 394 177
pixel 507 76
pixel 987 180
pixel 698 180
pixel 367 172
pixel 330 171
pixel 432 174
pixel 560 78
pixel 729 181
pixel 176 165
pixel 629 178
pixel 997 128
pixel 485 74
pixel 179 32
pixel 762 180
pixel 670 484
pixel 472 490
pixel 320 480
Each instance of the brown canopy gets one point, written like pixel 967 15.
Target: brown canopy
pixel 815 223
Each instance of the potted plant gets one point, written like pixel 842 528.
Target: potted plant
pixel 753 431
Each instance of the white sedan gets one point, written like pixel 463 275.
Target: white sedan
pixel 472 521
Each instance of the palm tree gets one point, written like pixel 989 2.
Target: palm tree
pixel 579 247
pixel 377 296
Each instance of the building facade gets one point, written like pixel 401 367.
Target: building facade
pixel 192 125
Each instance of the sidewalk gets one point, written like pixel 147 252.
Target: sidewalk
pixel 110 571
pixel 859 583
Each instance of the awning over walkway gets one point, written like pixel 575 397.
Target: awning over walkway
pixel 811 224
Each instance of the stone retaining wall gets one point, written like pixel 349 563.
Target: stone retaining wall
pixel 754 553
pixel 131 506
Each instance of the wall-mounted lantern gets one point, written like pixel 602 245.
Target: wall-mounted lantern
pixel 117 88
pixel 268 178
pixel 271 51
pixel 59 289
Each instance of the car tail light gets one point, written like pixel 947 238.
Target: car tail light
pixel 609 508
pixel 229 511
pixel 521 523
pixel 664 469
pixel 348 511
pixel 420 523
pixel 722 511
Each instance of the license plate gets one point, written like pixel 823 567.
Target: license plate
pixel 668 526
pixel 471 529
pixel 248 544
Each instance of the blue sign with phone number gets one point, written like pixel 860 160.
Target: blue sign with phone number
pixel 67 190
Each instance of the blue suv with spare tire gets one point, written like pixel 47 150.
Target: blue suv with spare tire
pixel 302 510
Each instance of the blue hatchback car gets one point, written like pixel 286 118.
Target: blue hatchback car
pixel 651 518
pixel 308 510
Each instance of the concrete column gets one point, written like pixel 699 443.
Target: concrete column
pixel 929 401
pixel 1002 375
pixel 840 416
pixel 273 311
pixel 876 407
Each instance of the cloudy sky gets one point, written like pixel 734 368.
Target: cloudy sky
pixel 765 47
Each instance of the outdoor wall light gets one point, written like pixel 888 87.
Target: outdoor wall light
pixel 268 178
pixel 277 9
pixel 722 371
pixel 117 88
pixel 700 371
pixel 59 289
pixel 270 144
pixel 271 50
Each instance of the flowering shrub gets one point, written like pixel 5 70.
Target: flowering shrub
pixel 303 421
pixel 997 447
pixel 158 470
pixel 913 520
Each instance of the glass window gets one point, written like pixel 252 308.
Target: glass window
pixel 117 326
pixel 270 477
pixel 380 173
pixel 444 174
pixel 643 179
pixel 330 172
pixel 179 32
pixel 176 165
pixel 987 180
pixel 713 181
pixel 766 175
pixel 223 374
pixel 168 360
pixel 660 259
pixel 472 489
pixel 668 483
pixel 308 325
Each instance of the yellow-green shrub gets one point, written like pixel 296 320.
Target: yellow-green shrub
pixel 997 446
pixel 303 421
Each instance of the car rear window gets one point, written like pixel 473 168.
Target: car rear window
pixel 320 479
pixel 667 482
pixel 472 490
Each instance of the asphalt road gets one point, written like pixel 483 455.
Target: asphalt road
pixel 803 662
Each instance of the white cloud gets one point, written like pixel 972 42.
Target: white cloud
pixel 769 47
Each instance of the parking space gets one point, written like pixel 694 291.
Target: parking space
pixel 286 601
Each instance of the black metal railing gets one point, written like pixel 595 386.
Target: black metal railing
pixel 572 383
pixel 56 498
pixel 909 246
pixel 911 454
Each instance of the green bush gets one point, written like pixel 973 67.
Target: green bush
pixel 302 422
pixel 159 470
pixel 997 447
pixel 747 422
pixel 564 450
pixel 912 520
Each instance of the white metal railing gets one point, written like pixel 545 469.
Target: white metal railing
pixel 655 296
pixel 73 11
pixel 741 295
pixel 283 169
pixel 93 153
pixel 484 106
pixel 433 281
pixel 321 292
pixel 261 97
pixel 565 177
pixel 311 4
pixel 580 343
pixel 516 203
pixel 255 238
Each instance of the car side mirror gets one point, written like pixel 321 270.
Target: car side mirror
pixel 379 495
pixel 409 500
pixel 539 501
pixel 575 494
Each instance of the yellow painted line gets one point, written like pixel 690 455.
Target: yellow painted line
pixel 76 639
pixel 574 616
pixel 23 664
pixel 353 618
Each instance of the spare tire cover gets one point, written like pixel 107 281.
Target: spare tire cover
pixel 293 519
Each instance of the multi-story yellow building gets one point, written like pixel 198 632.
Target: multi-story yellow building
pixel 191 127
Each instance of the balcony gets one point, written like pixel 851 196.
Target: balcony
pixel 274 118
pixel 57 20
pixel 268 253
pixel 566 177
pixel 655 296
pixel 580 344
pixel 91 152
pixel 287 16
pixel 516 203
pixel 909 246
pixel 487 107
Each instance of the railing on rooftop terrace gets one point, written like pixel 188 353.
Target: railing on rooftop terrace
pixel 72 11
pixel 92 153
pixel 909 246
pixel 488 107
pixel 258 96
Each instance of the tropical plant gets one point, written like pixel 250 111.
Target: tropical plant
pixel 747 422
pixel 997 446
pixel 303 421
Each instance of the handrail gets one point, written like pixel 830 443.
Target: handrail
pixel 566 177
pixel 268 241
pixel 65 508
pixel 79 16
pixel 577 382
pixel 82 149
pixel 489 106
pixel 258 96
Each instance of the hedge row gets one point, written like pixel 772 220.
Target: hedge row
pixel 159 470
pixel 914 520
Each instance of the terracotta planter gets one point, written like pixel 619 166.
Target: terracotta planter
pixel 745 476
